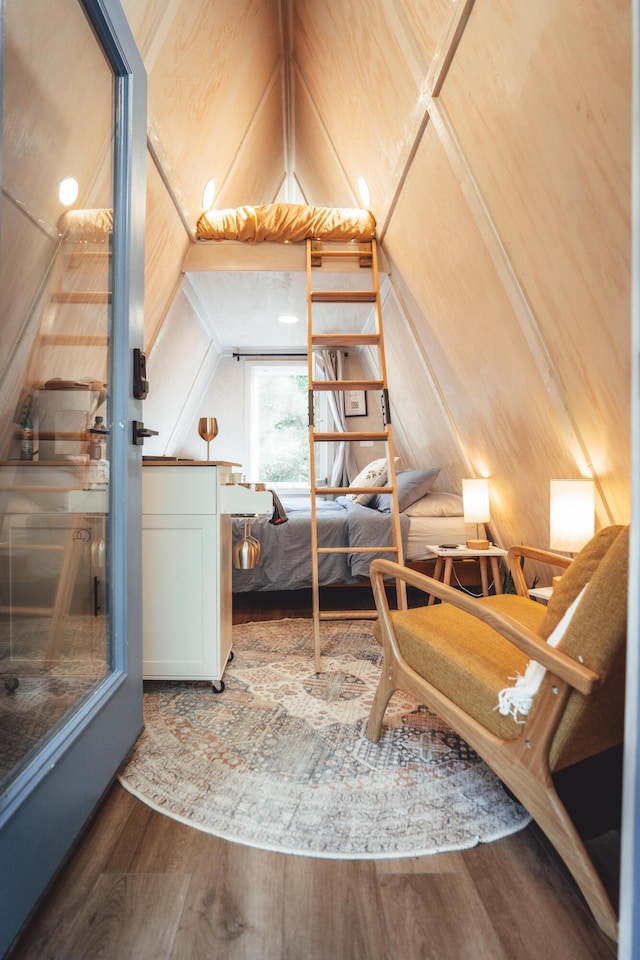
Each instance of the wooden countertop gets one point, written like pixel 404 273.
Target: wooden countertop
pixel 169 462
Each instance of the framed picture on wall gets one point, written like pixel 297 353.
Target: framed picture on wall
pixel 355 403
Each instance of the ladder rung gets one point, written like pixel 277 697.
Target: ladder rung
pixel 347 384
pixel 36 488
pixel 326 491
pixel 71 340
pixel 364 258
pixel 72 296
pixel 27 611
pixel 78 257
pixel 319 252
pixel 7 545
pixel 377 549
pixel 344 339
pixel 347 614
pixel 343 296
pixel 349 436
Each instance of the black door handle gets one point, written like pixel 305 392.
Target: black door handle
pixel 140 432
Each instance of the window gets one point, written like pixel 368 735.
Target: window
pixel 278 427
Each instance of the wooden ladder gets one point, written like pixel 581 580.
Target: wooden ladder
pixel 72 332
pixel 364 257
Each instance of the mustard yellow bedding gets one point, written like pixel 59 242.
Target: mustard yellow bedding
pixel 280 222
pixel 88 226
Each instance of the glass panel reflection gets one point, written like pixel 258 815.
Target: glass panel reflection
pixel 55 293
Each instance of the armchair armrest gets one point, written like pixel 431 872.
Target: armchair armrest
pixel 575 674
pixel 532 553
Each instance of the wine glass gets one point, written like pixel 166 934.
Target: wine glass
pixel 208 429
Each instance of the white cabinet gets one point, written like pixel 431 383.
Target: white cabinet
pixel 186 572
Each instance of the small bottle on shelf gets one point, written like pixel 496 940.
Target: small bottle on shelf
pixel 26 443
pixel 99 465
pixel 97 444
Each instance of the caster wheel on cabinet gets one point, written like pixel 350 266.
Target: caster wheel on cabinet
pixel 217 686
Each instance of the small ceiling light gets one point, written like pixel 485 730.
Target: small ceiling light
pixel 288 318
pixel 365 193
pixel 208 194
pixel 68 191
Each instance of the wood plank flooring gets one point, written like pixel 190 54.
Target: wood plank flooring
pixel 140 885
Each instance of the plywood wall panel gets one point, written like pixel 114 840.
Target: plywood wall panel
pixel 361 83
pixel 424 435
pixel 251 182
pixel 424 23
pixel 56 122
pixel 174 368
pixel 225 399
pixel 27 253
pixel 166 246
pixel 149 22
pixel 545 130
pixel 318 169
pixel 483 370
pixel 205 85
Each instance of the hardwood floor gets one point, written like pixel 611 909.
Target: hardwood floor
pixel 141 885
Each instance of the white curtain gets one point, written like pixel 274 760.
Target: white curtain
pixel 331 365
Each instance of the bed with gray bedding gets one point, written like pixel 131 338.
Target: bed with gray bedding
pixel 285 549
pixel 426 517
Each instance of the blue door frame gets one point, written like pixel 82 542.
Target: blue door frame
pixel 45 808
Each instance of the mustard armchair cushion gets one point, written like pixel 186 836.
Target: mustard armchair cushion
pixel 464 658
pixel 577 576
pixel 597 637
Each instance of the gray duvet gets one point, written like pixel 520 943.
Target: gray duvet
pixel 285 550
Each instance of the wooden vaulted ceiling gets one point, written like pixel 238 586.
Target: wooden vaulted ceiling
pixel 282 100
pixel 495 139
pixel 276 98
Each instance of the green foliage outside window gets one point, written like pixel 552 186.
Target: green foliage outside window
pixel 283 438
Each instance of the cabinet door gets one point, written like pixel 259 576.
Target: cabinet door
pixel 51 599
pixel 179 598
pixel 225 595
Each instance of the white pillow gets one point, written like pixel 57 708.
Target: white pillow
pixel 518 699
pixel 437 505
pixel 373 475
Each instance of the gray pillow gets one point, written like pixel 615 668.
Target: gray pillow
pixel 412 485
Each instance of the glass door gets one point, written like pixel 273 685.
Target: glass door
pixel 73 145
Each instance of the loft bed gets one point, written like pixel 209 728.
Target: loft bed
pixel 286 223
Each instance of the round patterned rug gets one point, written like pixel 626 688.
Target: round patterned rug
pixel 280 759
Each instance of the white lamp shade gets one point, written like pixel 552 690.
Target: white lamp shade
pixel 475 500
pixel 571 515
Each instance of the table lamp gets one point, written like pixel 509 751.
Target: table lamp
pixel 475 503
pixel 571 514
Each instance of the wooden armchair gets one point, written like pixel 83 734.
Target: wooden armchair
pixel 456 657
